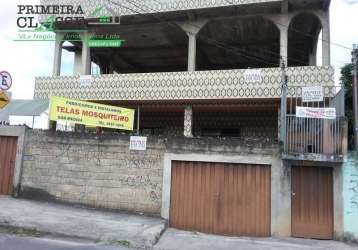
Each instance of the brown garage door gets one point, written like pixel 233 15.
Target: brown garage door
pixel 8 147
pixel 312 202
pixel 227 199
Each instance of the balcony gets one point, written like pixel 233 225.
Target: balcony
pixel 197 85
pixel 316 139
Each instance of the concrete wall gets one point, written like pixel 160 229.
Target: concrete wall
pixel 101 173
pixel 350 196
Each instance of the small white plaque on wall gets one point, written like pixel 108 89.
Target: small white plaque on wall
pixel 138 143
pixel 253 76
pixel 85 81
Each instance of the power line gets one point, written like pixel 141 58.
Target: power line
pixel 218 43
pixel 304 33
pixel 208 40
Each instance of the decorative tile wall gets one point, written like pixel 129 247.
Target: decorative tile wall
pixel 204 85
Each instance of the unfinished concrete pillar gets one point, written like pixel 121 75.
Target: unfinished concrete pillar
pixel 188 121
pixel 86 55
pixel 326 40
pixel 282 22
pixel 192 52
pixel 58 54
pixel 279 124
pixel 312 59
pixel 77 62
pixel 284 43
pixel 192 28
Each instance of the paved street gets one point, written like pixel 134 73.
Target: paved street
pixel 178 240
pixel 10 242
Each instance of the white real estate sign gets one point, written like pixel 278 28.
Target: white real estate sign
pixel 320 113
pixel 138 143
pixel 85 81
pixel 253 76
pixel 312 94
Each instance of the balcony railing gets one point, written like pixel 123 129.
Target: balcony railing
pixel 199 85
pixel 315 139
pixel 123 7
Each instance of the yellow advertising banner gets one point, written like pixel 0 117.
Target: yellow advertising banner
pixel 91 114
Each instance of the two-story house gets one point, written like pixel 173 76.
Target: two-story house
pixel 213 68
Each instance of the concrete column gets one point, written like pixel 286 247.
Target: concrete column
pixel 279 124
pixel 280 197
pixel 77 62
pixel 326 41
pixel 338 202
pixel 57 54
pixel 192 52
pixel 192 28
pixel 284 43
pixel 86 55
pixel 312 59
pixel 188 121
pixel 111 68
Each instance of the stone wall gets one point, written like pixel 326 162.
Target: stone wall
pixel 102 172
pixel 83 169
pixel 350 196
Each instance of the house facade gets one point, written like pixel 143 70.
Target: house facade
pixel 206 79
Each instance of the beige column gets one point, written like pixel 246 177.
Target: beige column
pixel 188 121
pixel 326 41
pixel 192 28
pixel 284 43
pixel 57 54
pixel 86 55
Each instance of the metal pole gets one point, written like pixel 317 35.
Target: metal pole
pixel 355 94
pixel 138 120
pixel 283 102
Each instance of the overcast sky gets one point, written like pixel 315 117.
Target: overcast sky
pixel 25 60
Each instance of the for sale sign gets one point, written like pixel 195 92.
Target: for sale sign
pixel 312 94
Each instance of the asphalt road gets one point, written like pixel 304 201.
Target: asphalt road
pixel 11 242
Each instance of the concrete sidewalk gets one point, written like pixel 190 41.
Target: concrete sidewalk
pixel 115 228
pixel 174 239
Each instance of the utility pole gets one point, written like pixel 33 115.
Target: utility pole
pixel 283 101
pixel 355 94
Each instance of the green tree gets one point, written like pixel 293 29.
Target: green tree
pixel 346 81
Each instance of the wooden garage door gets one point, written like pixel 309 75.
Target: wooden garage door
pixel 227 199
pixel 8 147
pixel 312 202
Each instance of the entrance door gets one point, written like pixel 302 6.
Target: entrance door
pixel 220 198
pixel 8 146
pixel 312 202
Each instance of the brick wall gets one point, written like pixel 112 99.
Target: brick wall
pixel 91 171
